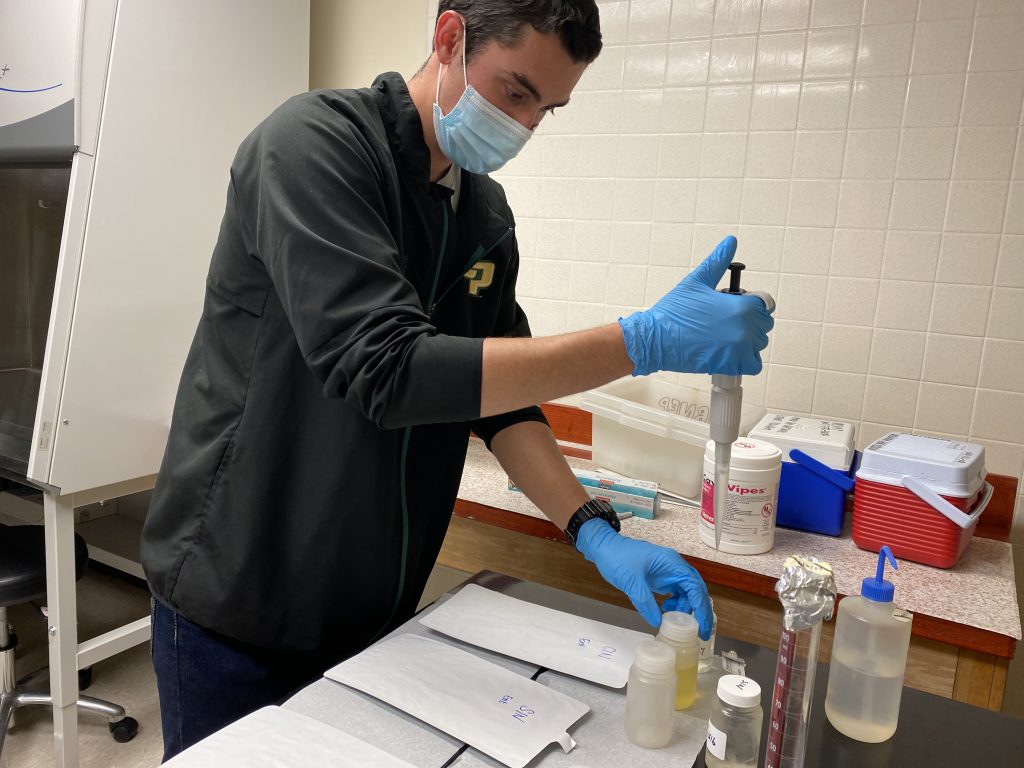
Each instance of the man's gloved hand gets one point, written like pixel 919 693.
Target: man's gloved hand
pixel 639 568
pixel 695 329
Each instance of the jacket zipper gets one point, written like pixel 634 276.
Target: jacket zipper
pixel 406 435
pixel 478 254
pixel 440 262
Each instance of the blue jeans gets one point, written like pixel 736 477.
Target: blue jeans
pixel 206 681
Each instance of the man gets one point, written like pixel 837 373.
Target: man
pixel 360 320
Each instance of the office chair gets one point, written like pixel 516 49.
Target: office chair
pixel 23 579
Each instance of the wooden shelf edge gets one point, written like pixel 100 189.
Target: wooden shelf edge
pixel 929 627
pixel 569 423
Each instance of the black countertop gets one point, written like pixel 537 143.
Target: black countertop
pixel 933 732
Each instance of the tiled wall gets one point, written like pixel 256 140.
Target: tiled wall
pixel 869 156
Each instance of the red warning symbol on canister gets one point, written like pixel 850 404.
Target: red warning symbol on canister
pixel 766 510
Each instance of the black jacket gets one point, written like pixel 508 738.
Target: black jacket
pixel 321 422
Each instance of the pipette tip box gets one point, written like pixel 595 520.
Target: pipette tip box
pixel 628 497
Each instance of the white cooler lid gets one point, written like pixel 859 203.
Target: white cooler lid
pixel 948 467
pixel 830 442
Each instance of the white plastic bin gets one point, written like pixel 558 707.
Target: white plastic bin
pixel 650 429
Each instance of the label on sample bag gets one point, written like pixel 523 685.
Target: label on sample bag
pixel 716 741
pixel 749 517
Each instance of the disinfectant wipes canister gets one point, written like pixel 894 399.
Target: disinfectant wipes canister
pixel 748 526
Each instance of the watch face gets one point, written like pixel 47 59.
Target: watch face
pixel 605 511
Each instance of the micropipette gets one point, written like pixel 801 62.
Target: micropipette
pixel 726 404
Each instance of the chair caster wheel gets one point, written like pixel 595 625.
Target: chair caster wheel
pixel 124 730
pixel 84 678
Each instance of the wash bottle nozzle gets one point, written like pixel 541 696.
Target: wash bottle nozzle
pixel 878 589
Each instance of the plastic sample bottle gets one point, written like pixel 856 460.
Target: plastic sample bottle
pixel 734 728
pixel 869 657
pixel 679 631
pixel 650 695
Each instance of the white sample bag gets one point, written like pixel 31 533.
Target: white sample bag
pixel 279 738
pixel 591 650
pixel 502 714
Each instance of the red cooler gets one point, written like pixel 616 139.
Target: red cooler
pixel 922 496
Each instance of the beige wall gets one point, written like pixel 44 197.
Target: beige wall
pixel 868 155
pixel 352 41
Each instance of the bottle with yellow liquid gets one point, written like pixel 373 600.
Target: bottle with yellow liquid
pixel 679 631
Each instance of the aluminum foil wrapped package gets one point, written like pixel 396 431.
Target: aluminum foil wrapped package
pixel 807 590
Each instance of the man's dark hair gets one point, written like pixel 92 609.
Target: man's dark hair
pixel 576 22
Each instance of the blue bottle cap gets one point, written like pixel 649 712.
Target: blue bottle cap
pixel 878 589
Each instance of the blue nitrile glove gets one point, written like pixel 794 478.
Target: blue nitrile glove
pixel 695 329
pixel 639 568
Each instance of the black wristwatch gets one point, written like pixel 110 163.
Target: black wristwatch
pixel 590 510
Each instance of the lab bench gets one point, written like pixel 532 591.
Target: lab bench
pixel 933 731
pixel 966 619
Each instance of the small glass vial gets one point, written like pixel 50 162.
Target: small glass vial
pixel 679 630
pixel 650 695
pixel 734 729
pixel 707 647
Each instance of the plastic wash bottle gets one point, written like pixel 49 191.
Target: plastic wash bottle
pixel 869 657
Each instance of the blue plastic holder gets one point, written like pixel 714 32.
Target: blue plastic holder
pixel 812 495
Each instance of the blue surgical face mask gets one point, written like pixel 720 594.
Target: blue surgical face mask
pixel 476 135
